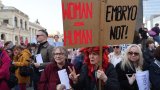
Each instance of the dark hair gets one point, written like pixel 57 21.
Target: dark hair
pixel 149 42
pixel 56 36
pixel 33 45
pixel 8 42
pixel 157 53
pixel 44 31
pixel 157 24
pixel 18 47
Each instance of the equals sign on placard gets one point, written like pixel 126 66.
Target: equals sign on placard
pixel 78 24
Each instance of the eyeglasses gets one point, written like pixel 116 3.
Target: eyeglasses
pixel 39 35
pixel 115 46
pixel 60 54
pixel 135 53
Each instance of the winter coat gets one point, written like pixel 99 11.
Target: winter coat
pixel 4 70
pixel 86 83
pixel 124 84
pixel 154 74
pixel 22 59
pixel 49 77
pixel 148 57
pixel 46 52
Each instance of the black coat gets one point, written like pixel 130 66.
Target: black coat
pixel 86 83
pixel 124 84
pixel 154 75
pixel 148 57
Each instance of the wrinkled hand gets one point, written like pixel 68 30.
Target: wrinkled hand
pixel 101 75
pixel 73 76
pixel 36 65
pixel 131 79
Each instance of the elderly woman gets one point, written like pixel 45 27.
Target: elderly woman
pixel 126 69
pixel 91 72
pixel 154 70
pixel 49 79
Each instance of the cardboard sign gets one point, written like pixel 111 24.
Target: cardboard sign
pixel 120 20
pixel 81 19
pixel 86 22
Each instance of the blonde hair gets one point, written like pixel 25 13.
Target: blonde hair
pixel 127 63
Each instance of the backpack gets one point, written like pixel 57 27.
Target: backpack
pixel 26 70
pixel 151 33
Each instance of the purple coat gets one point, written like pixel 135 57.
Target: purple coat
pixel 4 70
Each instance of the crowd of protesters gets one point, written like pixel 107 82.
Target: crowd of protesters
pixel 85 68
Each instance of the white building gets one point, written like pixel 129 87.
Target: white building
pixel 15 25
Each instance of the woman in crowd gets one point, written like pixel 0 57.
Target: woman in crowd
pixel 126 69
pixel 4 68
pixel 91 72
pixel 21 58
pixel 116 56
pixel 154 70
pixel 49 79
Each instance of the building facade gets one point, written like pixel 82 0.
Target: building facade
pixel 15 25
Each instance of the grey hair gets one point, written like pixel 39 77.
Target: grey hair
pixel 62 49
pixel 126 62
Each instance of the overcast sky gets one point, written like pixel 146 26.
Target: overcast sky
pixel 48 12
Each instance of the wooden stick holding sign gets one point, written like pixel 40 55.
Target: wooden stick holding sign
pixel 102 5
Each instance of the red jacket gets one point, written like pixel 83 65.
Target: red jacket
pixel 49 78
pixel 4 70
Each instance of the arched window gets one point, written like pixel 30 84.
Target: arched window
pixel 21 23
pixel 2 36
pixel 15 21
pixel 25 25
pixel 16 40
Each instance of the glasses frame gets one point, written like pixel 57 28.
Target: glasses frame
pixel 135 53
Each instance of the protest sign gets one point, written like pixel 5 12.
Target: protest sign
pixel 119 21
pixel 143 80
pixel 81 23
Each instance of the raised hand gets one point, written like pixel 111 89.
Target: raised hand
pixel 73 76
pixel 131 79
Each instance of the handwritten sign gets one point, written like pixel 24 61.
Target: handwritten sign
pixel 120 20
pixel 84 20
pixel 81 22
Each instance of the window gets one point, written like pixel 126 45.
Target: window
pixel 26 25
pixel 6 21
pixel 21 23
pixel 15 21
